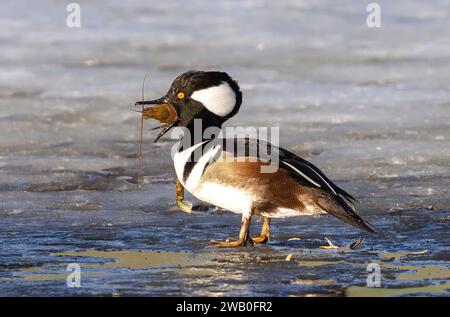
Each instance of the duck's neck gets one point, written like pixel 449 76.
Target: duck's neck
pixel 199 131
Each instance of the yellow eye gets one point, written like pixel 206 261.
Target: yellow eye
pixel 180 95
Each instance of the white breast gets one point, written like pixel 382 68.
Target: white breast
pixel 194 178
pixel 181 158
pixel 220 100
pixel 227 197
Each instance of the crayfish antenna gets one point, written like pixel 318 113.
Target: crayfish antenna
pixel 142 122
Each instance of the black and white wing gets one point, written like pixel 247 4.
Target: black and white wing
pixel 305 173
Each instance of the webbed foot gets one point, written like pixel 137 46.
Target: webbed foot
pixel 185 206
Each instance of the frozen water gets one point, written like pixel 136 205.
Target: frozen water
pixel 370 107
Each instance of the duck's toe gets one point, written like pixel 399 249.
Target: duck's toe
pixel 261 239
pixel 185 206
pixel 227 243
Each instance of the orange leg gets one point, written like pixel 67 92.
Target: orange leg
pixel 265 232
pixel 183 204
pixel 244 237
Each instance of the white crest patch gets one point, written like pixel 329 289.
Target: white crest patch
pixel 220 100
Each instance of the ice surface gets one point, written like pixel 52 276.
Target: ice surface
pixel 370 107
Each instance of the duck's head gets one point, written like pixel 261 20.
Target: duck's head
pixel 211 96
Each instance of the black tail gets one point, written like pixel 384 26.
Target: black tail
pixel 348 215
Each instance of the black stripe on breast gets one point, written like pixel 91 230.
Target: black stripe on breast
pixel 190 164
pixel 187 170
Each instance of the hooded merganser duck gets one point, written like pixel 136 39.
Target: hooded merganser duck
pixel 296 188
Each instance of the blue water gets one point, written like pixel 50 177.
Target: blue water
pixel 370 107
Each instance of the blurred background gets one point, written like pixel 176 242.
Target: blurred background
pixel 369 106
